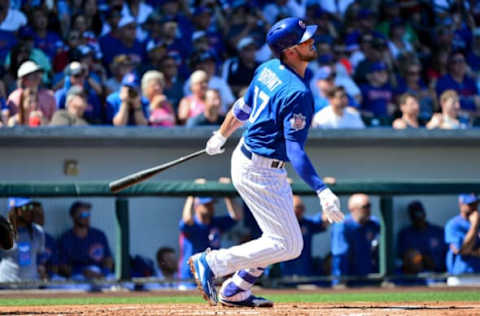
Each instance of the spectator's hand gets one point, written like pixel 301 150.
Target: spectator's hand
pixel 436 121
pixel 215 143
pixel 124 94
pixel 157 101
pixel 136 103
pixel 473 218
pixel 330 205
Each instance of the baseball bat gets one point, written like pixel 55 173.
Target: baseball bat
pixel 125 182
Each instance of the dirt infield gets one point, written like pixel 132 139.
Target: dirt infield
pixel 351 309
pixel 437 308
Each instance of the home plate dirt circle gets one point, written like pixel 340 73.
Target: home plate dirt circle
pixel 300 309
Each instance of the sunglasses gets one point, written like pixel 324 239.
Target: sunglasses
pixel 84 214
pixel 26 208
pixel 365 206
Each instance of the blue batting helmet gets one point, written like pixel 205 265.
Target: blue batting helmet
pixel 288 32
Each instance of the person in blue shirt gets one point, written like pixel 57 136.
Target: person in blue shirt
pixel 76 75
pixel 127 106
pixel 458 80
pixel 355 241
pixel 377 94
pixel 462 237
pixel 424 237
pixel 84 252
pixel 201 229
pixel 309 225
pixel 279 107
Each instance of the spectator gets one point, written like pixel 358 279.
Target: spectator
pixel 211 114
pixel 140 11
pixel 437 67
pixel 374 49
pixel 206 62
pixel 61 59
pixel 200 229
pixel 83 250
pixel 48 41
pixel 424 238
pixel 20 262
pixel 48 260
pixel 125 43
pixel 156 51
pixel 337 114
pixel 29 104
pixel 278 9
pixel 121 65
pixel 398 44
pixel 457 79
pixel 173 88
pixel 409 108
pixel 110 31
pixel 355 240
pixel 194 104
pixel 211 20
pixel 449 117
pixel 127 106
pixel 76 75
pixel 10 19
pixel 377 94
pixel 411 82
pixel 95 72
pixel 74 110
pixel 239 71
pixel 461 235
pixel 321 84
pixel 304 265
pixel 161 111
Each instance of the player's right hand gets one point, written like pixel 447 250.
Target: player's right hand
pixel 215 143
pixel 331 206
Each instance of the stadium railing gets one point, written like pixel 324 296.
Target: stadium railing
pixel 384 189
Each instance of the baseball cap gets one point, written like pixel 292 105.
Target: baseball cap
pixel 201 200
pixel 126 20
pixel 467 198
pixel 324 73
pixel 153 44
pixel 79 204
pixel 131 80
pixel 28 67
pixel 18 201
pixel 378 66
pixel 244 42
pixel 74 68
pixel 201 10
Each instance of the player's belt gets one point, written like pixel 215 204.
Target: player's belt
pixel 274 163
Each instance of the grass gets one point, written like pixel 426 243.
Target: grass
pixel 410 296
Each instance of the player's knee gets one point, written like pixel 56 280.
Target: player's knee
pixel 293 247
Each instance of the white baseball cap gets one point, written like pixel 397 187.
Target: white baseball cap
pixel 244 42
pixel 27 68
pixel 126 20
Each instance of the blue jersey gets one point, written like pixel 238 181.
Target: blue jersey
pixel 113 104
pixel 282 108
pixel 198 237
pixel 455 232
pixel 302 265
pixel 352 247
pixel 428 242
pixel 83 252
pixel 50 255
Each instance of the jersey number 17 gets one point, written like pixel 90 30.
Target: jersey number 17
pixel 260 100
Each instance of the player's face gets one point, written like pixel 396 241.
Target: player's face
pixel 306 51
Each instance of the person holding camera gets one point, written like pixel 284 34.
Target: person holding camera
pixel 127 106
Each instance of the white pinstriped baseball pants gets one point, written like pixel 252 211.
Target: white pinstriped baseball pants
pixel 269 196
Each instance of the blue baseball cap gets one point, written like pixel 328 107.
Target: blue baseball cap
pixel 201 200
pixel 131 80
pixel 378 66
pixel 467 198
pixel 18 201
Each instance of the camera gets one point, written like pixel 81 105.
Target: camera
pixel 132 93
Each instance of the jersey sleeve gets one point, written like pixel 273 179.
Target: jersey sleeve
pixel 454 236
pixel 296 114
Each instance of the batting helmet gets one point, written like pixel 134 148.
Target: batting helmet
pixel 288 32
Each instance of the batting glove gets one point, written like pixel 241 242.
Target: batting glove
pixel 215 143
pixel 330 205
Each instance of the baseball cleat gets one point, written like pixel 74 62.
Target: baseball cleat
pixel 203 277
pixel 251 301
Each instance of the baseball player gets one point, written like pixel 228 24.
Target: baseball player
pixel 279 107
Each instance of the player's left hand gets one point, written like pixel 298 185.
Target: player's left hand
pixel 215 143
pixel 331 206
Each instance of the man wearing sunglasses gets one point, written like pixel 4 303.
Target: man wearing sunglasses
pixel 84 252
pixel 355 241
pixel 20 262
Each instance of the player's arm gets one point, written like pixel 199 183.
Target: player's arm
pixel 236 117
pixel 235 211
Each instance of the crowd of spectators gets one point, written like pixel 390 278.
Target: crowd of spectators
pixel 164 63
pixel 82 253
